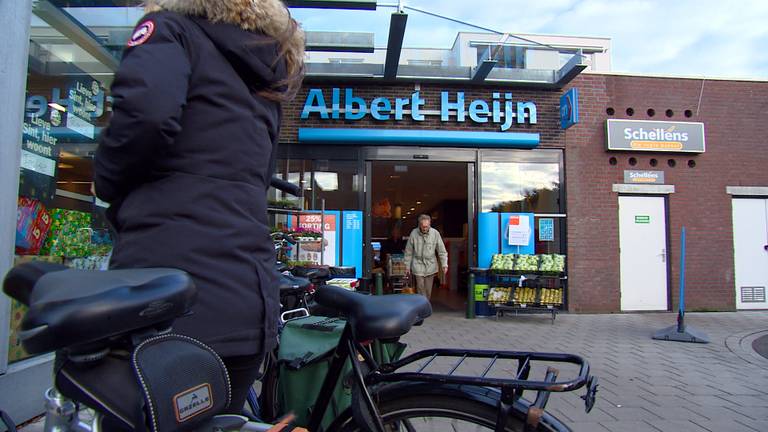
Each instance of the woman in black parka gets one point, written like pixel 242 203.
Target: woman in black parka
pixel 186 160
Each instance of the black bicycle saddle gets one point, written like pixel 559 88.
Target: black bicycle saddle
pixel 76 307
pixel 376 317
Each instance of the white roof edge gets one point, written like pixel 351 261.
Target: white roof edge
pixel 672 76
pixel 545 35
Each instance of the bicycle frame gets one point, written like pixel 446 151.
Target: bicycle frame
pixel 511 389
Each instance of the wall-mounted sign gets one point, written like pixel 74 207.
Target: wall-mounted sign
pixel 454 107
pixel 569 108
pixel 642 219
pixel 655 136
pixel 643 177
pixel 546 229
pixel 519 230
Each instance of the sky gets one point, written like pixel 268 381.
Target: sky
pixel 713 38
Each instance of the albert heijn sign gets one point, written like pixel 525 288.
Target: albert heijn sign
pixel 500 108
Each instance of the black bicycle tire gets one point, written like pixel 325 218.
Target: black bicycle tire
pixel 478 405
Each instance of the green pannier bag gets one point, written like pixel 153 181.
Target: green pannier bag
pixel 304 357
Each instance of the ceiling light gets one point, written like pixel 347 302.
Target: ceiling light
pixel 418 202
pixel 57 107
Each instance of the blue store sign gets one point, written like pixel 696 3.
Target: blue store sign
pixel 501 109
pixel 569 108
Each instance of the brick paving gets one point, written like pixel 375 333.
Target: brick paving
pixel 645 385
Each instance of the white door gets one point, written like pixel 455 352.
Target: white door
pixel 750 240
pixel 643 253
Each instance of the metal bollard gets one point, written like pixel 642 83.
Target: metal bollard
pixel 379 280
pixel 471 296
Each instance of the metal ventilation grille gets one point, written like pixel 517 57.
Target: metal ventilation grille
pixel 753 294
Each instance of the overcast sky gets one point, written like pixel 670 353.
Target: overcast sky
pixel 679 37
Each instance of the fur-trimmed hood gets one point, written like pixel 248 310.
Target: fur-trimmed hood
pixel 268 17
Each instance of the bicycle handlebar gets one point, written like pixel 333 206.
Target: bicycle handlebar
pixel 285 186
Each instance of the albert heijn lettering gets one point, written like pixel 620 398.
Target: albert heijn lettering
pixel 453 107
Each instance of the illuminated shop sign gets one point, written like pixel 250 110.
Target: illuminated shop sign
pixel 501 109
pixel 655 136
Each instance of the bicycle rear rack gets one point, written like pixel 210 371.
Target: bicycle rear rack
pixel 511 388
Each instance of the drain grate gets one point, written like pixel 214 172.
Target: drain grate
pixel 753 294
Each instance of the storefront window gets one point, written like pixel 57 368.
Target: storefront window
pixel 520 187
pixel 67 105
pixel 334 181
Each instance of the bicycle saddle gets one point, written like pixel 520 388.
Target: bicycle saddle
pixel 290 284
pixel 376 317
pixel 76 307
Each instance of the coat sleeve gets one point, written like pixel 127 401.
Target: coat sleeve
pixel 149 94
pixel 408 253
pixel 441 251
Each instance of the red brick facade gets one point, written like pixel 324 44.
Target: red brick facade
pixel 735 115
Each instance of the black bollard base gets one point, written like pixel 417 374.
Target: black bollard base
pixel 687 334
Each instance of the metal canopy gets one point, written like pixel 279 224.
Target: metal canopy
pixel 486 72
pixel 481 72
pixel 65 24
pixel 549 79
pixel 340 41
pixel 395 44
pixel 320 4
pixel 333 4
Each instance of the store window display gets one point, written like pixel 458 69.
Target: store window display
pixel 67 104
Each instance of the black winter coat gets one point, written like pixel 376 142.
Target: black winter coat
pixel 185 163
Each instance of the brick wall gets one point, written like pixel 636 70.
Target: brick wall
pixel 735 116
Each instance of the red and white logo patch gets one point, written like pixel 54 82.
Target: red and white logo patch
pixel 142 33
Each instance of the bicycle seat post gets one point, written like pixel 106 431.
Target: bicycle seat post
pixel 60 412
pixel 61 415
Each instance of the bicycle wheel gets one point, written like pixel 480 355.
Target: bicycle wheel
pixel 429 407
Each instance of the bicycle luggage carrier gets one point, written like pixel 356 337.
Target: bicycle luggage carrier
pixel 512 388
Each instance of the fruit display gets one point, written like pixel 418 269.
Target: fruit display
pixel 551 296
pixel 499 294
pixel 525 295
pixel 503 262
pixel 346 283
pixel 552 263
pixel 527 263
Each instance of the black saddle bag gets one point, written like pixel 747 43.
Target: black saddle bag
pixel 166 383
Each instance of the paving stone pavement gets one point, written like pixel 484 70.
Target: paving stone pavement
pixel 645 384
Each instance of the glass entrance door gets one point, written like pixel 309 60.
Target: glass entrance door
pixel 402 190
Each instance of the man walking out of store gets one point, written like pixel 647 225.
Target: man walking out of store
pixel 424 245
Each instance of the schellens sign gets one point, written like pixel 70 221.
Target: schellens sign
pixel 655 136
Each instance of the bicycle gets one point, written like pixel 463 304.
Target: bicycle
pixel 95 319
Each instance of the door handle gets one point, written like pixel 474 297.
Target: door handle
pixel 663 255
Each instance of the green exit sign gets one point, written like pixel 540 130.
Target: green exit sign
pixel 642 219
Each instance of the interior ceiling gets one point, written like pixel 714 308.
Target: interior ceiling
pixel 406 183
